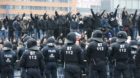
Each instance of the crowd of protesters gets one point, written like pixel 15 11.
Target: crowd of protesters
pixel 41 26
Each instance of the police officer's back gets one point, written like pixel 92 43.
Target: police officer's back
pixel 71 57
pixel 137 60
pixel 32 60
pixel 120 53
pixel 7 61
pixel 51 56
pixel 97 52
pixel 132 67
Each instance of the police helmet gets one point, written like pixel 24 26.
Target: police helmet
pixel 26 39
pixel 32 44
pixel 133 44
pixel 7 45
pixel 98 35
pixel 114 39
pixel 51 41
pixel 121 36
pixel 71 37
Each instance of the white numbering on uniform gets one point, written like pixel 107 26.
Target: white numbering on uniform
pixel 69 50
pixel 100 47
pixel 8 56
pixel 134 54
pixel 51 55
pixel 32 53
pixel 32 57
pixel 8 60
pixel 122 48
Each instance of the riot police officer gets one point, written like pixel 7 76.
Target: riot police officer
pixel 134 47
pixel 20 52
pixel 32 60
pixel 51 56
pixel 120 54
pixel 111 62
pixel 71 57
pixel 7 61
pixel 97 52
pixel 137 60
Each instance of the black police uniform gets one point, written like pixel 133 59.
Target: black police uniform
pixel 51 56
pixel 32 61
pixel 111 63
pixel 21 51
pixel 7 61
pixel 121 55
pixel 134 47
pixel 97 52
pixel 84 63
pixel 137 61
pixel 71 57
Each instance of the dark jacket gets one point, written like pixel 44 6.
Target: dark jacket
pixel 97 52
pixel 7 60
pixel 71 54
pixel 51 54
pixel 121 52
pixel 32 59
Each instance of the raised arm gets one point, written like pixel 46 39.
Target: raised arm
pixel 115 13
pixel 134 17
pixel 56 13
pixel 93 14
pixel 44 16
pixel 102 13
pixel 31 15
pixel 123 13
pixel 69 16
pixel 23 15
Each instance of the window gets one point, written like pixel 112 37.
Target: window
pixel 135 4
pixel 129 4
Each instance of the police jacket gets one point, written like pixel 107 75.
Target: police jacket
pixel 71 53
pixel 97 52
pixel 137 59
pixel 121 52
pixel 21 51
pixel 7 58
pixel 32 59
pixel 51 54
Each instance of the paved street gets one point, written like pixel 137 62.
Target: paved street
pixel 59 73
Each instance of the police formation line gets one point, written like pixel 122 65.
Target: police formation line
pixel 100 59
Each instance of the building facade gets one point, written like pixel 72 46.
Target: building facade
pixel 84 6
pixel 14 7
pixel 131 5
